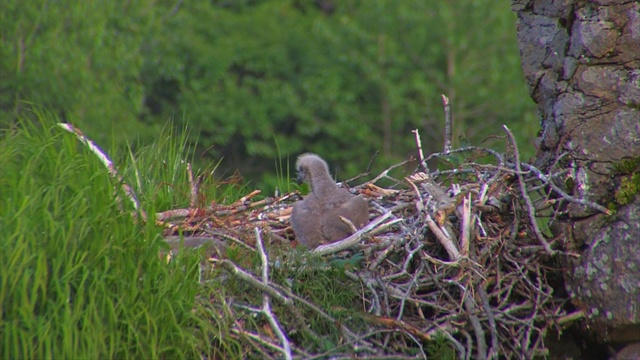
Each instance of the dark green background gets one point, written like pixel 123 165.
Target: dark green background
pixel 255 81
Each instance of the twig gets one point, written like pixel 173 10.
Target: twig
pixel 523 190
pixel 349 224
pixel 351 240
pixel 493 350
pixel 420 153
pixel 194 187
pixel 466 224
pixel 251 280
pixel 448 124
pixel 564 195
pixel 385 173
pixel 366 172
pixel 477 327
pixel 435 228
pixel 443 239
pixel 266 303
pixel 104 159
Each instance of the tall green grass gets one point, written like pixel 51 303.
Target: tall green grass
pixel 80 276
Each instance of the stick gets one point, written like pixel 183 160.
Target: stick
pixel 266 302
pixel 448 124
pixel 523 190
pixel 420 153
pixel 351 240
pixel 104 159
pixel 250 279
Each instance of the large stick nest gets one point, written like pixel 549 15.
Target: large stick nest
pixel 452 260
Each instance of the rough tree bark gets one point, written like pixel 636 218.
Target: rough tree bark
pixel 581 60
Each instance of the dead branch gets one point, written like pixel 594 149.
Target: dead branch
pixel 104 159
pixel 448 124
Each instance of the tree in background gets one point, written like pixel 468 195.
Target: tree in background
pixel 81 59
pixel 263 79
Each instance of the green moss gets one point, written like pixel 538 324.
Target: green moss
pixel 628 189
pixel 627 166
pixel 629 172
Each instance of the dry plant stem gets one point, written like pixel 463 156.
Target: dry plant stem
pixel 523 190
pixel 448 124
pixel 104 159
pixel 351 240
pixel 266 302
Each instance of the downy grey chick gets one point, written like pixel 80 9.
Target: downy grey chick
pixel 316 218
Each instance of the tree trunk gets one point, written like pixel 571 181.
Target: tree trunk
pixel 581 60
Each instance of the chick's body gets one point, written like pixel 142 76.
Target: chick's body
pixel 316 218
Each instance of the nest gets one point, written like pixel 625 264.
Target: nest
pixel 452 265
pixel 453 259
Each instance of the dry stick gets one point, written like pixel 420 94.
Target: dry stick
pixel 569 318
pixel 448 124
pixel 564 195
pixel 226 211
pixel 435 228
pixel 412 283
pixel 250 279
pixel 366 172
pixel 466 223
pixel 257 338
pixel 104 159
pixel 194 187
pixel 351 240
pixel 492 152
pixel 493 350
pixel 477 327
pixel 347 333
pixel 385 173
pixel 349 224
pixel 523 189
pixel 266 302
pixel 420 153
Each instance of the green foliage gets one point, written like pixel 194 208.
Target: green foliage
pixel 310 277
pixel 80 277
pixel 344 82
pixel 441 349
pixel 629 171
pixel 81 59
pixel 629 189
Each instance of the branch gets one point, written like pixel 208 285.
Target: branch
pixel 104 159
pixel 523 190
pixel 351 240
pixel 448 124
pixel 266 304
pixel 251 280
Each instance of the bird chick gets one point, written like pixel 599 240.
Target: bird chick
pixel 316 218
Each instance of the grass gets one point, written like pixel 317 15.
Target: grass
pixel 80 277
